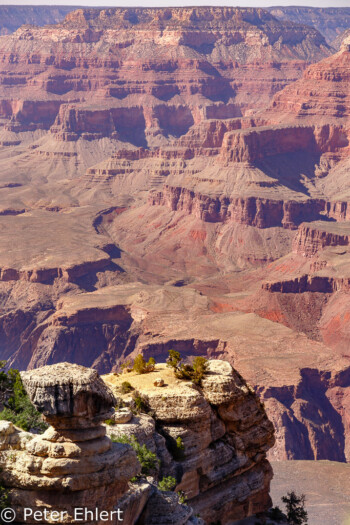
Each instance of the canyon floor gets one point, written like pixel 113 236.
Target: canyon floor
pixel 325 484
pixel 179 179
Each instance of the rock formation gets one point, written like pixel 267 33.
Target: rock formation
pixel 73 464
pixel 338 42
pixel 221 465
pixel 74 471
pixel 159 72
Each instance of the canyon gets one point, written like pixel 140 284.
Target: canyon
pixel 178 178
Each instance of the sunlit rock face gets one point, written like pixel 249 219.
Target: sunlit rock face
pixel 73 464
pixel 223 470
pixel 224 434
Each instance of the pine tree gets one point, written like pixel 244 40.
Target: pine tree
pixel 295 506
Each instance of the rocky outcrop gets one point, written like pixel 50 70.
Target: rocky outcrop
pixel 73 472
pixel 308 283
pixel 322 95
pixel 253 145
pixel 318 431
pixel 224 434
pixel 339 211
pixel 338 42
pixel 73 464
pixel 311 238
pixel 252 211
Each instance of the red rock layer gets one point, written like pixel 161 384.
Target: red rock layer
pixel 309 283
pixel 212 62
pixel 321 95
pixel 253 211
pixel 310 239
pixel 255 144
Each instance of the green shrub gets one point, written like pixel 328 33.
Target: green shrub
pixel 174 359
pixel 126 387
pixel 110 422
pixel 184 371
pixel 141 367
pixel 167 484
pixel 200 368
pixel 139 402
pixel 175 447
pixel 147 459
pixel 190 372
pixel 17 405
pixel 179 443
pixel 179 454
pixel 139 364
pixel 151 364
pixel 182 497
pixel 4 497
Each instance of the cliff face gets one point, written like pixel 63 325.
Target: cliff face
pixel 323 91
pixel 93 330
pixel 143 58
pixel 73 458
pixel 313 238
pixel 252 211
pixel 338 42
pixel 225 435
pixel 74 464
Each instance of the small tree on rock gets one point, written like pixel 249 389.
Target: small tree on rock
pixel 174 359
pixel 189 372
pixel 295 506
pixel 200 367
pixel 141 367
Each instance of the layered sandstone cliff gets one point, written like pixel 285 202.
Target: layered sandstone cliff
pixel 74 466
pixel 224 431
pixel 164 65
pixel 323 92
pixel 312 238
pixel 74 470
